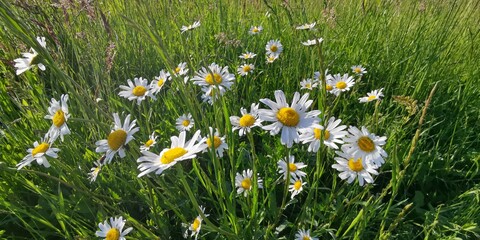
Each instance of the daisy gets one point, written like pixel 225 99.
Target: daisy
pixel 185 122
pixel 114 230
pixel 351 168
pixel 245 69
pixel 138 91
pixel 358 70
pixel 255 30
pixel 92 175
pixel 30 59
pixel 58 113
pixel 296 186
pixel 38 153
pixel 211 94
pixel 313 42
pixel 304 235
pixel 159 81
pixel 291 167
pixel 178 151
pixel 243 182
pixel 190 27
pixel 196 224
pixel 247 55
pixel 308 84
pixel 287 118
pixel 214 76
pixel 247 121
pixel 341 83
pixel 218 143
pixel 274 47
pixel 271 58
pixel 306 26
pixel 371 96
pixel 149 143
pixel 365 145
pixel 331 136
pixel 118 138
pixel 181 69
pixel 316 76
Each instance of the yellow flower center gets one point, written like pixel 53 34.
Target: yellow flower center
pixel 246 183
pixel 372 97
pixel 308 85
pixel 185 123
pixel 329 87
pixel 246 120
pixel 42 148
pixel 292 167
pixel 274 48
pixel 247 68
pixel 177 69
pixel 255 29
pixel 172 154
pixel 149 142
pixel 139 91
pixel 288 116
pixel 214 79
pixel 297 185
pixel 113 234
pixel 318 134
pixel 357 70
pixel 355 166
pixel 160 82
pixel 59 118
pixel 341 85
pixel 216 142
pixel 306 238
pixel 195 224
pixel 366 144
pixel 116 139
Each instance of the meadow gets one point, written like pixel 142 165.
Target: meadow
pixel 236 119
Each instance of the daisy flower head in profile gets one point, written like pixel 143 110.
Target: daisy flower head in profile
pixel 152 140
pixel 245 69
pixel 255 30
pixel 308 84
pixel 114 229
pixel 214 76
pixel 313 42
pixel 372 96
pixel 94 171
pixel 306 26
pixel 359 70
pixel 331 136
pixel 58 113
pixel 212 94
pixel 341 83
pixel 216 142
pixel 181 69
pixel 365 145
pixel 179 151
pixel 286 166
pixel 196 225
pixel 185 122
pixel 243 182
pixel 271 58
pixel 351 168
pixel 274 47
pixel 304 235
pixel 136 90
pixel 39 153
pixel 30 60
pixel 190 27
pixel 247 121
pixel 159 81
pixel 296 186
pixel 118 138
pixel 288 119
pixel 247 55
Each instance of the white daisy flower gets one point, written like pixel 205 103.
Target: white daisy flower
pixel 304 235
pixel 185 122
pixel 245 69
pixel 306 26
pixel 341 83
pixel 313 42
pixel 288 118
pixel 255 30
pixel 218 143
pixel 247 121
pixel 371 96
pixel 247 55
pixel 308 84
pixel 58 113
pixel 38 153
pixel 149 143
pixel 291 167
pixel 138 91
pixel 29 60
pixel 352 168
pixel 331 136
pixel 358 70
pixel 159 81
pixel 274 47
pixel 196 224
pixel 271 58
pixel 211 94
pixel 243 182
pixel 365 145
pixel 92 175
pixel 118 138
pixel 114 230
pixel 190 27
pixel 296 186
pixel 178 151
pixel 180 70
pixel 214 76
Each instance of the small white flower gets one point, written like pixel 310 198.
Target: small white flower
pixel 308 84
pixel 255 30
pixel 243 182
pixel 358 70
pixel 274 47
pixel 138 91
pixel 247 121
pixel 245 69
pixel 291 167
pixel 331 136
pixel 159 81
pixel 271 58
pixel 247 55
pixel 341 83
pixel 306 26
pixel 313 42
pixel 29 60
pixel 190 27
pixel 214 76
pixel 114 230
pixel 211 94
pixel 181 69
pixel 351 168
pixel 185 122
pixel 58 113
pixel 149 143
pixel 196 224
pixel 92 175
pixel 365 145
pixel 38 153
pixel 304 235
pixel 216 142
pixel 296 186
pixel 372 96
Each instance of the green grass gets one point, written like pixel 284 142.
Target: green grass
pixel 429 187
